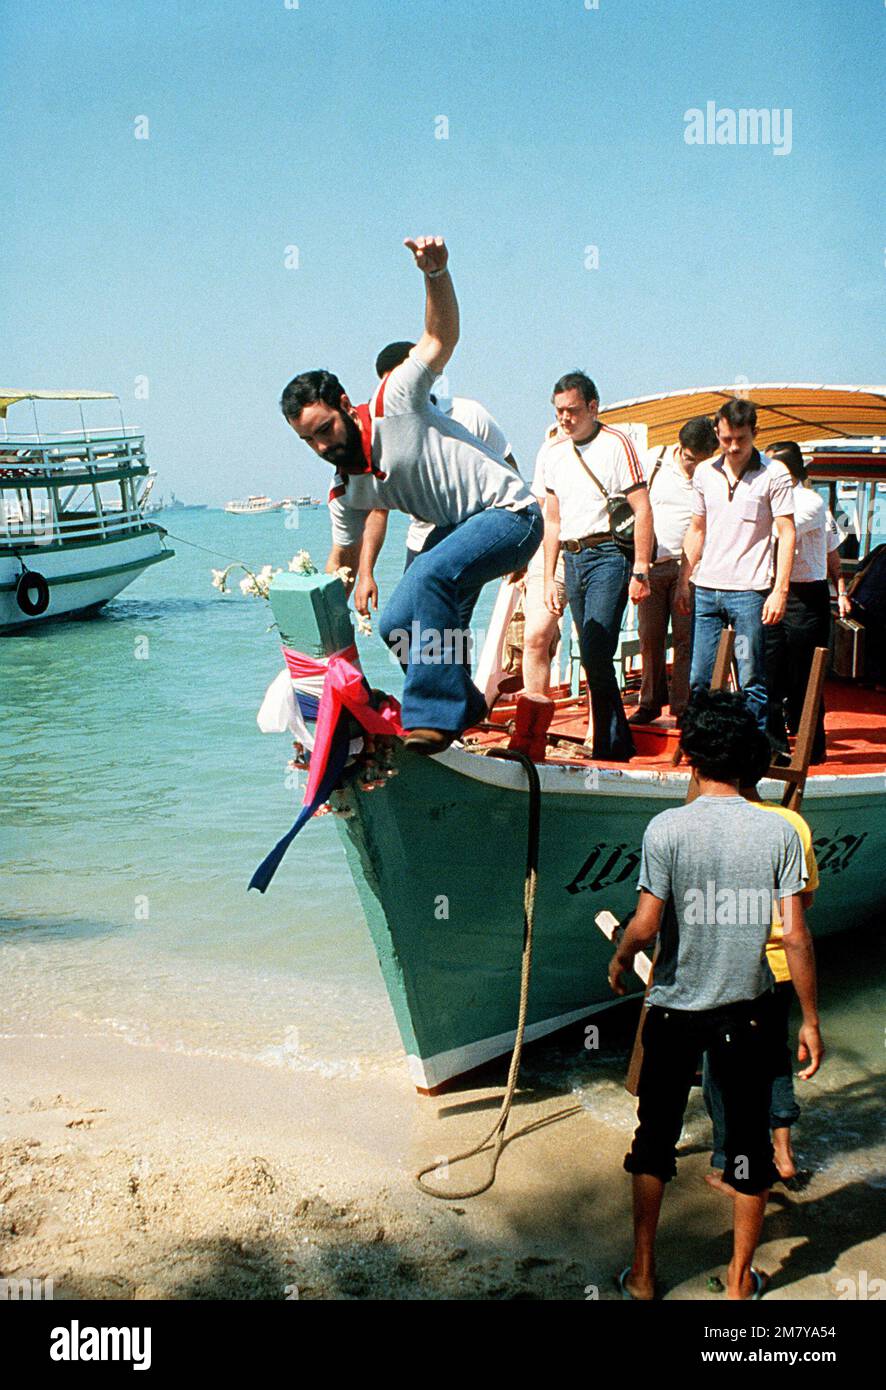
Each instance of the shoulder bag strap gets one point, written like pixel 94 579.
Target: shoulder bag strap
pixel 593 477
pixel 658 463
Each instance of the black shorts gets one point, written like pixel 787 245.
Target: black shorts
pixel 739 1043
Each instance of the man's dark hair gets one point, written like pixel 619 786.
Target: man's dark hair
pixel 791 455
pixel 309 387
pixel 738 413
pixel 391 357
pixel 577 381
pixel 699 435
pixel 716 732
pixel 758 756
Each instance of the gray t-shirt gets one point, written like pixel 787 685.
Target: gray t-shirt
pixel 424 463
pixel 718 865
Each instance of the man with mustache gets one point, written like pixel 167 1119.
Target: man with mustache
pixel 398 452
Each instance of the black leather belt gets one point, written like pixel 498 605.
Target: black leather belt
pixel 586 542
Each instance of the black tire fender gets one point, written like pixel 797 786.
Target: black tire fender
pixel 32 593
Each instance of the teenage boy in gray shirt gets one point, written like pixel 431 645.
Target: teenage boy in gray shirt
pixel 708 876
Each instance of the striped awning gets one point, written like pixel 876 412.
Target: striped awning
pixel 800 412
pixel 8 398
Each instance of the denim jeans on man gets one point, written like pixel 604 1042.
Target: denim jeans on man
pixel 468 600
pixel 423 618
pixel 716 609
pixel 597 589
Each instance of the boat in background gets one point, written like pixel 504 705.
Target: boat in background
pixel 253 506
pixel 438 852
pixel 174 505
pixel 73 528
pixel 300 504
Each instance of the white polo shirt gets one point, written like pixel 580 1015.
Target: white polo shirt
pixel 419 461
pixel 817 535
pixel 611 457
pixel 478 422
pixel 737 551
pixel 670 496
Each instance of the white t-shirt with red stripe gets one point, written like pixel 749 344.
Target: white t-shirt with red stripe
pixel 611 456
pixel 420 461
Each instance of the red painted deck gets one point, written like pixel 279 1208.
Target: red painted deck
pixel 855 727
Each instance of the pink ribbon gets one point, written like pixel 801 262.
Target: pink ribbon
pixel 344 688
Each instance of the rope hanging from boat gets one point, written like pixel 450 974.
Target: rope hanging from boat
pixel 496 1136
pixel 209 549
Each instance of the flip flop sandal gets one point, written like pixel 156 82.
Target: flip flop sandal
pixel 760 1282
pixel 621 1281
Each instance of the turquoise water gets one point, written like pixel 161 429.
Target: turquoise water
pixel 139 795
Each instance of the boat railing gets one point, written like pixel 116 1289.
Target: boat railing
pixel 41 527
pixel 112 451
pixel 60 436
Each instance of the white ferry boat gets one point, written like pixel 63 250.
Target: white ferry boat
pixel 252 506
pixel 300 504
pixel 73 531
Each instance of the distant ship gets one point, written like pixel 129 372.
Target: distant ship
pixel 174 505
pixel 253 505
pixel 291 504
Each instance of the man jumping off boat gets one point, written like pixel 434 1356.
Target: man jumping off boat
pixel 399 453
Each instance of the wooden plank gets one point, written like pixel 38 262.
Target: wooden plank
pixel 795 773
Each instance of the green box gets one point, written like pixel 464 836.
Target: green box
pixel 311 611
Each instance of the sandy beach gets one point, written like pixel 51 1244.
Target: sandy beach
pixel 128 1172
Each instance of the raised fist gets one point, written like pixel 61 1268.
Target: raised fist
pixel 430 252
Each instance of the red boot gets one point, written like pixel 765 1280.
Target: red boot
pixel 532 721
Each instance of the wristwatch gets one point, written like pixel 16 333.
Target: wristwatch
pixel 641 575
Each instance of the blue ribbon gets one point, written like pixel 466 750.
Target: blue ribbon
pixel 338 756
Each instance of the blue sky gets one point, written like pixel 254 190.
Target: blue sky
pixel 315 127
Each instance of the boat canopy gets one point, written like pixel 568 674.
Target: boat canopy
pixel 8 398
pixel 797 411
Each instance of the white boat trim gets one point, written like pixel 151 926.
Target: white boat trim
pixel 567 780
pixel 428 1072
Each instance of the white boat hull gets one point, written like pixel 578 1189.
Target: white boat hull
pixel 80 577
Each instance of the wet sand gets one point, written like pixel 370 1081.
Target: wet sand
pixel 126 1172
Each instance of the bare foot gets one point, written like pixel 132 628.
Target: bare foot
pixel 716 1182
pixel 783 1153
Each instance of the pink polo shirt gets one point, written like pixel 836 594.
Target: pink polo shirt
pixel 737 551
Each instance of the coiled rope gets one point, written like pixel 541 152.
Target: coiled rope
pixel 496 1136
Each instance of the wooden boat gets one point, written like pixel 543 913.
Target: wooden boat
pixel 73 527
pixel 438 854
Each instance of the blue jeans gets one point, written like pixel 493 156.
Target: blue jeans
pixel 468 600
pixel 783 1108
pixel 597 588
pixel 741 609
pixel 422 622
